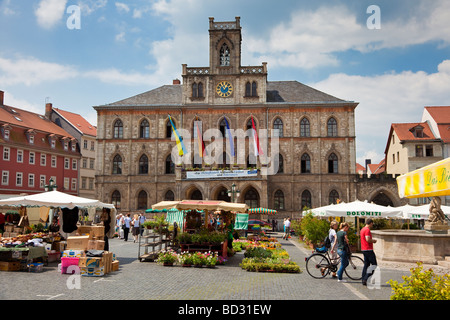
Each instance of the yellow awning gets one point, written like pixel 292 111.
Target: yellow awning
pixel 430 181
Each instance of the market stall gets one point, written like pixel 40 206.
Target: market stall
pixel 62 236
pixel 199 232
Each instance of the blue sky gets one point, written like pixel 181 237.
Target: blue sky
pixel 124 48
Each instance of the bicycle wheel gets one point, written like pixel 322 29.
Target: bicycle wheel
pixel 354 268
pixel 317 266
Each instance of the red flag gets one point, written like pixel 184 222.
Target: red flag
pixel 258 150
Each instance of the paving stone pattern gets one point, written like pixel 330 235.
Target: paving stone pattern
pixel 137 280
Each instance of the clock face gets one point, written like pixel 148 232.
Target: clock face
pixel 224 89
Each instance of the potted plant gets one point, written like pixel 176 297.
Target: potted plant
pixel 167 257
pixel 186 259
pixel 198 259
pixel 210 260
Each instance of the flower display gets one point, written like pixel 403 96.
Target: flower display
pixel 167 257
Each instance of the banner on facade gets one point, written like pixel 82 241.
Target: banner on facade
pixel 221 174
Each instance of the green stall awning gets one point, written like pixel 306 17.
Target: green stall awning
pixel 262 211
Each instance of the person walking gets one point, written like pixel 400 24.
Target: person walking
pixel 367 249
pixel 135 224
pixel 287 228
pixel 342 243
pixel 119 223
pixel 126 226
pixel 141 221
pixel 333 240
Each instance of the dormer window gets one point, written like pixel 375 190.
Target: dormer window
pixel 6 134
pixel 31 139
pixel 66 145
pixel 53 143
pixel 417 132
pixel 224 56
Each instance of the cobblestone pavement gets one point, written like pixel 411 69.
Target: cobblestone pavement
pixel 137 280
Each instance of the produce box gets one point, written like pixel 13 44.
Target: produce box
pixel 77 242
pixel 73 253
pixel 9 266
pixel 115 265
pixel 36 267
pixel 9 228
pixel 94 232
pixel 96 245
pixel 92 272
pixel 91 262
pixel 18 230
pixel 59 246
pixel 108 259
pixel 66 262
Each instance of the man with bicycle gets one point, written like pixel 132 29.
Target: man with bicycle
pixel 367 249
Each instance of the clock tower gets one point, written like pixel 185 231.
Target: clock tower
pixel 225 81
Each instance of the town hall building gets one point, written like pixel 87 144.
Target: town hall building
pixel 310 138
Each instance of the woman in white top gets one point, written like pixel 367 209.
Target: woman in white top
pixel 333 240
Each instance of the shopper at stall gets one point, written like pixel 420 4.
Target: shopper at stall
pixel 119 223
pixel 126 226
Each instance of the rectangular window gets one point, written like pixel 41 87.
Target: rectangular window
pixel 66 163
pixel 6 153
pixel 53 144
pixel 393 158
pixel 42 181
pixel 91 184
pixel 43 159
pixel 66 183
pixel 84 163
pixel 74 184
pixel 19 179
pixel 91 163
pixel 32 157
pixel 429 151
pixel 54 162
pixel 19 156
pixel 419 151
pixel 6 134
pixel 5 178
pixel 92 145
pixel 398 156
pixel 31 180
pixel 31 139
pixel 74 164
pixel 83 182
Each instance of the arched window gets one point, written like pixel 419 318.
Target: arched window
pixel 169 196
pixel 169 128
pixel 304 128
pixel 332 163
pixel 224 56
pixel 223 195
pixel 251 198
pixel 142 200
pixel 278 128
pixel 249 124
pixel 250 89
pixel 333 197
pixel 144 129
pixel 118 129
pixel 143 164
pixel 306 199
pixel 170 166
pixel 115 199
pixel 332 127
pixel 194 90
pixel 196 195
pixel 280 163
pixel 117 165
pixel 223 127
pixel 305 164
pixel 225 161
pixel 278 200
pixel 200 90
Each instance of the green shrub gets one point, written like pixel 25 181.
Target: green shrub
pixel 314 229
pixel 421 285
pixel 257 252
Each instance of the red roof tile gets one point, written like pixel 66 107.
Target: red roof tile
pixel 31 120
pixel 80 123
pixel 441 116
pixel 405 132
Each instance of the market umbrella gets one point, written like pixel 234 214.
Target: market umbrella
pixel 430 181
pixel 262 211
pixel 54 199
pixel 358 209
pixel 202 205
pixel 420 212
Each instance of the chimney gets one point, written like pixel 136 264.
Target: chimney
pixel 176 81
pixel 2 96
pixel 48 110
pixel 368 161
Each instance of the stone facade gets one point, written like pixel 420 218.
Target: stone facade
pixel 312 125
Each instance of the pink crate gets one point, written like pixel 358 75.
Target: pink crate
pixel 66 261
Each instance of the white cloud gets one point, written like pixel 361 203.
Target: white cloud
pixel 10 100
pixel 31 71
pixel 122 7
pixel 6 9
pixel 386 99
pixel 89 6
pixel 50 12
pixel 120 37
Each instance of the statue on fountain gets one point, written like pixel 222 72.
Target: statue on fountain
pixel 436 222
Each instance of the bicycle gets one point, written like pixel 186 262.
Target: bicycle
pixel 319 265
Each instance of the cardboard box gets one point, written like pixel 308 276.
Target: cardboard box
pixel 18 230
pixel 94 232
pixel 115 265
pixel 6 234
pixel 9 266
pixel 77 242
pixel 92 272
pixel 73 253
pixel 59 246
pixel 91 262
pixel 9 228
pixel 96 245
pixel 108 258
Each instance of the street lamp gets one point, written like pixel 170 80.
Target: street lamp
pixel 233 192
pixel 51 185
